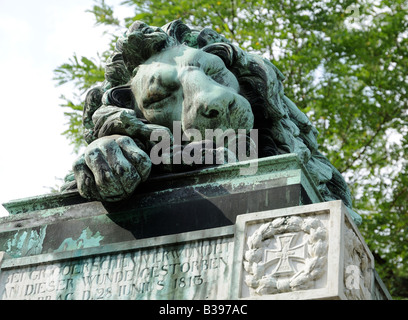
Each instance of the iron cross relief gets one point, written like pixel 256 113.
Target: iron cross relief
pixel 284 254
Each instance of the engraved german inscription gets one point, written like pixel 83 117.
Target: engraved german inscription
pixel 166 272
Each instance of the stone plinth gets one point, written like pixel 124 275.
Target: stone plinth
pixel 186 236
pixel 304 252
pixel 190 266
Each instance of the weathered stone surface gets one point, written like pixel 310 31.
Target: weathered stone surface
pixel 305 252
pixel 299 252
pixel 209 234
pixel 190 266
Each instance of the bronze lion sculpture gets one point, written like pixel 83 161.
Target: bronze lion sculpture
pixel 197 78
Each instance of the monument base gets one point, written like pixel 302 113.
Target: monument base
pixel 210 234
pixel 301 253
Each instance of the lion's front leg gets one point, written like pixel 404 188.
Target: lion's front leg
pixel 111 168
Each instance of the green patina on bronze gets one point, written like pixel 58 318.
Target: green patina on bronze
pixel 157 76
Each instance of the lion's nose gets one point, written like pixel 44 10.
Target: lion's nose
pixel 210 111
pixel 215 103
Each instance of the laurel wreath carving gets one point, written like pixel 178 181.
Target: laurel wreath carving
pixel 315 261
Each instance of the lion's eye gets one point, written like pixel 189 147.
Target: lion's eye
pixel 212 69
pixel 153 97
pixel 159 89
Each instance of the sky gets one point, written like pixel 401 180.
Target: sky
pixel 35 38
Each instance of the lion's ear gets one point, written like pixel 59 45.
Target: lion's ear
pixel 224 51
pixel 121 96
pixel 208 36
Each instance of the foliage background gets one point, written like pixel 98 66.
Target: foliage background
pixel 346 67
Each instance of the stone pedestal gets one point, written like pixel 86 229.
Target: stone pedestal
pixel 208 234
pixel 299 253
